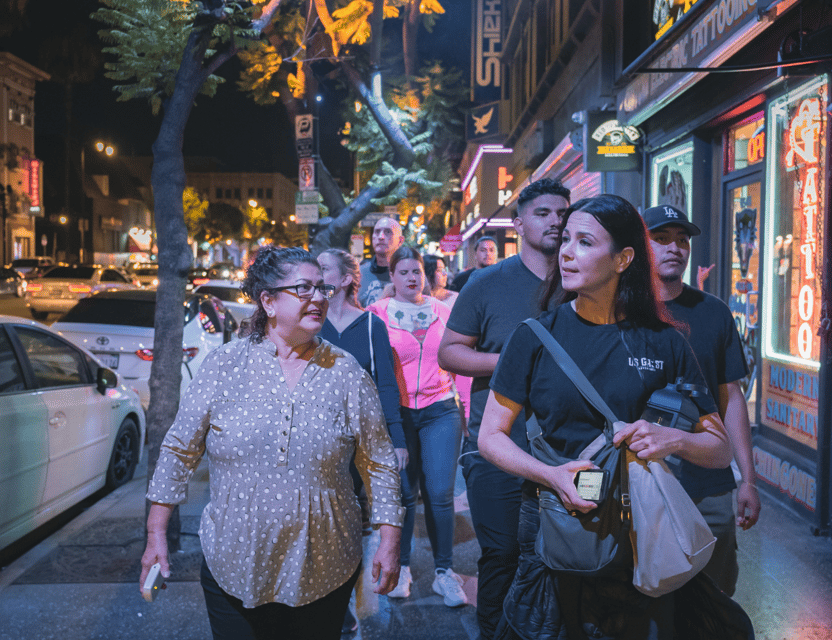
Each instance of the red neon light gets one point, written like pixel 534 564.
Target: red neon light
pixel 802 153
pixel 503 178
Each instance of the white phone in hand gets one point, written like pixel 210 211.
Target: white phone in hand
pixel 153 583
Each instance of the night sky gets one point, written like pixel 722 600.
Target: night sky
pixel 228 127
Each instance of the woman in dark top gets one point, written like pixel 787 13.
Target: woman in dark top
pixel 607 317
pixel 348 326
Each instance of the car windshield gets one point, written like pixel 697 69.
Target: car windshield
pixel 131 313
pixel 25 262
pixel 149 271
pixel 226 294
pixel 70 273
pixel 120 311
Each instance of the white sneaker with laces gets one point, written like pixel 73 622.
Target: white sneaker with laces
pixel 402 589
pixel 449 585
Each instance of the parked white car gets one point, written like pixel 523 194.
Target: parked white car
pixel 147 273
pixel 118 327
pixel 58 289
pixel 70 426
pixel 238 303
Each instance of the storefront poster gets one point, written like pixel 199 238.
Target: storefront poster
pixel 790 400
pixel 798 484
pixel 671 178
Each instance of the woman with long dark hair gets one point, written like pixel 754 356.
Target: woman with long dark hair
pixel 607 317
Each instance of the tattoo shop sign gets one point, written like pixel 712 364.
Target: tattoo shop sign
pixel 609 146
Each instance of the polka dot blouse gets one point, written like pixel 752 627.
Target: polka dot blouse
pixel 283 524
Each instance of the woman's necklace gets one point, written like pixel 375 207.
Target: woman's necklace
pixel 293 369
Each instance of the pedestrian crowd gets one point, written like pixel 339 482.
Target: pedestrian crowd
pixel 360 388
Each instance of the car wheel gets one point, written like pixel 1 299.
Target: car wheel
pixel 125 455
pixel 40 315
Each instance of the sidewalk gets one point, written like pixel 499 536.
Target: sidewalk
pixel 82 582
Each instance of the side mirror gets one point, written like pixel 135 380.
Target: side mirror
pixel 105 379
pixel 231 327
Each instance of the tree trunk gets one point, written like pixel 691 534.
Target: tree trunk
pixel 410 32
pixel 168 180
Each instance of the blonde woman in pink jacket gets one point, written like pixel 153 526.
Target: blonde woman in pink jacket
pixel 430 417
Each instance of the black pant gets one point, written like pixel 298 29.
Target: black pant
pixel 494 497
pixel 318 620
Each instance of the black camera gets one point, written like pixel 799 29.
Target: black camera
pixel 673 407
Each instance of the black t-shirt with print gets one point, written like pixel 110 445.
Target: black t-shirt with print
pixel 718 349
pixel 624 363
pixel 490 306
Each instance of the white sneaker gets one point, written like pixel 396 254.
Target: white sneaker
pixel 449 585
pixel 402 589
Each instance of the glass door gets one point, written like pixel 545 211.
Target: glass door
pixel 743 210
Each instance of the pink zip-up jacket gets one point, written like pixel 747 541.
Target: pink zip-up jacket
pixel 421 380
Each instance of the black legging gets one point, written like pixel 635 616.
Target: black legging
pixel 318 620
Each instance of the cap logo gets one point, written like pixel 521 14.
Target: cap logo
pixel 670 213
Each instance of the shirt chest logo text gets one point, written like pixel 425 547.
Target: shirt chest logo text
pixel 646 364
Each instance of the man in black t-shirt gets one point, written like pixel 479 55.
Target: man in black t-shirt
pixel 718 348
pixel 486 254
pixel 490 306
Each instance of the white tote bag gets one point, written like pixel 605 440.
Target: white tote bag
pixel 671 540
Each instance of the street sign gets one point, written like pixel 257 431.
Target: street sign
pixel 303 126
pixel 306 213
pixel 450 243
pixel 304 148
pixel 307 197
pixel 306 174
pixel 306 207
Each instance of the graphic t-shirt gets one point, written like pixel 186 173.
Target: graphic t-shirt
pixel 373 280
pixel 490 306
pixel 718 349
pixel 624 363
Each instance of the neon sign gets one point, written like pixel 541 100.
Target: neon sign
pixel 803 154
pixel 757 147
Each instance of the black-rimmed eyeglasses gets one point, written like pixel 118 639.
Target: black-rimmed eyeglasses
pixel 306 290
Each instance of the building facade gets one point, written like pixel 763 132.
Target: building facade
pixel 689 103
pixel 21 173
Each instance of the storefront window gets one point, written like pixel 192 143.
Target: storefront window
pixel 672 178
pixel 671 182
pixel 745 143
pixel 744 206
pixel 795 201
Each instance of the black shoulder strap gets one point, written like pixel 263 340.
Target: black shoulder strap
pixel 571 369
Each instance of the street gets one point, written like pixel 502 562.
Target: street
pixel 14 306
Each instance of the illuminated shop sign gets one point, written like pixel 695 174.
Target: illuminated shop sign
pixel 666 13
pixel 487 47
pixel 794 245
pixel 713 35
pixel 800 486
pixel 609 146
pixel 757 147
pixel 486 186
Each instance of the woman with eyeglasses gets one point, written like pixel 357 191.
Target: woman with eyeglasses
pixel 430 417
pixel 280 415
